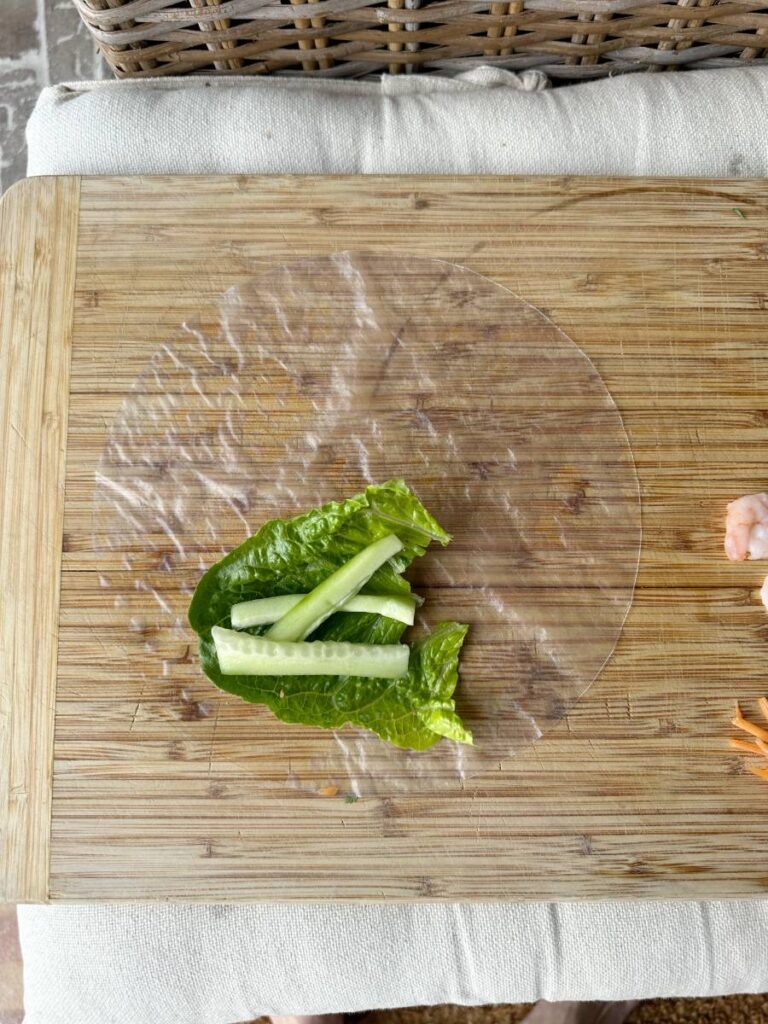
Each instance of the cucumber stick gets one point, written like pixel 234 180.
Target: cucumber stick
pixel 265 610
pixel 241 654
pixel 330 595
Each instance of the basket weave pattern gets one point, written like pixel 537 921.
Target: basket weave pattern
pixel 570 39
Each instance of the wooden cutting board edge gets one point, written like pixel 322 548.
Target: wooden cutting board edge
pixel 35 347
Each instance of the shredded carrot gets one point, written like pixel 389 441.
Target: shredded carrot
pixel 750 727
pixel 746 745
pixel 760 746
pixel 333 790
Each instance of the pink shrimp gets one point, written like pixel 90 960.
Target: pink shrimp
pixel 746 528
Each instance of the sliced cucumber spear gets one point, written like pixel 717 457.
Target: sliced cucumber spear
pixel 330 595
pixel 240 654
pixel 269 609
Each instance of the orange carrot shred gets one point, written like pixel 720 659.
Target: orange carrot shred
pixel 750 727
pixel 333 790
pixel 746 745
pixel 761 773
pixel 763 702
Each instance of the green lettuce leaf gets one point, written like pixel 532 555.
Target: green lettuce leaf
pixel 293 556
pixel 417 710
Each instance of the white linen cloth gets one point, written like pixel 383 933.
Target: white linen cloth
pixel 110 964
pixel 204 964
pixel 487 121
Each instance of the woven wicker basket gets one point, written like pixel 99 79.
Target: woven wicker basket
pixel 569 39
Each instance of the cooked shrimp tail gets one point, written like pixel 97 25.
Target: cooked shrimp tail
pixel 746 528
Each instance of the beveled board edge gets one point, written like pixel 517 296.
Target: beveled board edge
pixel 38 235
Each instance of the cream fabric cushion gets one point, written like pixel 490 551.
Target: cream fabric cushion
pixel 488 121
pixel 198 964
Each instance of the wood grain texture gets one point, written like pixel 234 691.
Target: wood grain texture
pixel 165 788
pixel 38 228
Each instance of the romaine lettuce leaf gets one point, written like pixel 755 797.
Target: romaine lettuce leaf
pixel 293 556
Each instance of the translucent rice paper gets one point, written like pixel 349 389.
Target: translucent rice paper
pixel 326 375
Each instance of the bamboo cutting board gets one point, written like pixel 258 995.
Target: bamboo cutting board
pixel 111 790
